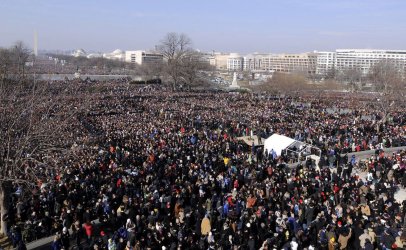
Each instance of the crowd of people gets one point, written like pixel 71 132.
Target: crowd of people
pixel 156 169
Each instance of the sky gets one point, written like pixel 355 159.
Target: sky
pixel 243 26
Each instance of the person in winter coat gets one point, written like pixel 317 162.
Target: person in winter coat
pixel 372 234
pixel 399 242
pixel 88 227
pixel 205 226
pixel 364 237
pixel 368 245
pixel 332 245
pixel 21 246
pixel 56 244
pixel 387 239
pixel 293 244
pixel 309 214
pixel 343 238
pixel 65 238
pixel 111 245
pixel 365 210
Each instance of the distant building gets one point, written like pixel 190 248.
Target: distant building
pixel 325 62
pixel 143 57
pixel 235 62
pixel 364 60
pixel 304 62
pixel 360 59
pixel 117 54
pixel 321 63
pixel 79 52
pixel 219 61
pixel 94 55
pixel 253 62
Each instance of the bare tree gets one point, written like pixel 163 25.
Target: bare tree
pixel 33 118
pixel 5 63
pixel 191 65
pixel 331 73
pixel 175 48
pixel 20 55
pixel 351 76
pixel 289 84
pixel 151 70
pixel 386 76
pixel 388 79
pixel 13 60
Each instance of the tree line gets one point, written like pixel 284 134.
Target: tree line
pixel 13 61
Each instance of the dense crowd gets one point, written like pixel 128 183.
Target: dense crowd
pixel 155 169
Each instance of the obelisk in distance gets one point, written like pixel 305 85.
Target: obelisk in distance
pixel 35 43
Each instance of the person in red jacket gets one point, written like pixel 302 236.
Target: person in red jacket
pixel 88 227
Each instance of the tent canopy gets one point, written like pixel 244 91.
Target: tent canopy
pixel 278 143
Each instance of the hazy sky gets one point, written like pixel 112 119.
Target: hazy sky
pixel 221 25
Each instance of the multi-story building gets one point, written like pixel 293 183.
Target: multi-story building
pixel 325 62
pixel 235 62
pixel 360 59
pixel 143 57
pixel 364 60
pixel 219 60
pixel 253 62
pixel 304 62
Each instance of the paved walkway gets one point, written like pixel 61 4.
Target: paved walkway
pixel 400 195
pixel 45 243
pixel 368 153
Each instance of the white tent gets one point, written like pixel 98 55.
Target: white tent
pixel 277 143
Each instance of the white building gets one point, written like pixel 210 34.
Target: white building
pixel 325 62
pixel 143 57
pixel 364 59
pixel 253 62
pixel 305 62
pixel 235 62
pixel 94 55
pixel 115 55
pixel 360 59
pixel 79 52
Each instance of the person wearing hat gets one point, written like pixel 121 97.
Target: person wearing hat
pixel 332 244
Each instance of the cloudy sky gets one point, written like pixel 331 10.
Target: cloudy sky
pixel 221 25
